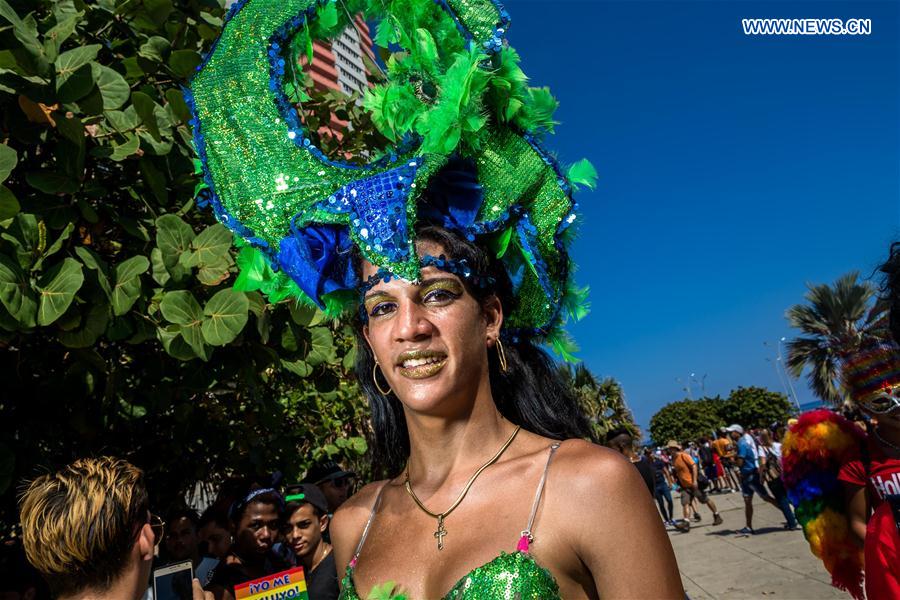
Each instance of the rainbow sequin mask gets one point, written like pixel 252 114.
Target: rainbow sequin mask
pixel 467 155
pixel 871 374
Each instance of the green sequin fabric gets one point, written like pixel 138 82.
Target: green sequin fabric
pixel 514 576
pixel 455 93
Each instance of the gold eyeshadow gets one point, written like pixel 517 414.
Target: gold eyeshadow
pixel 373 300
pixel 448 285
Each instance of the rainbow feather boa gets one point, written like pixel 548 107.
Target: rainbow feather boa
pixel 812 454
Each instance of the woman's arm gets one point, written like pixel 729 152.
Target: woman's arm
pixel 618 534
pixel 857 511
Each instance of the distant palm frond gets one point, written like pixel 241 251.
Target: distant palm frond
pixel 833 322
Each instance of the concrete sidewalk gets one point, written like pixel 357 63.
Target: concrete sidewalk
pixel 718 563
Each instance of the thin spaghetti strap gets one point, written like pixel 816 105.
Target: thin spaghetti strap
pixel 365 533
pixel 527 538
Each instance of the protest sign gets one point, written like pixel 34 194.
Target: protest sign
pixel 286 585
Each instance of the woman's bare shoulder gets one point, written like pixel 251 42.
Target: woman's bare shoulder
pixel 359 505
pixel 350 519
pixel 581 455
pixel 589 471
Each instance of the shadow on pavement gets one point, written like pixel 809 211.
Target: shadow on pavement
pixel 735 532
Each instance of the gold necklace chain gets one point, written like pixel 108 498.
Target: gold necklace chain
pixel 441 531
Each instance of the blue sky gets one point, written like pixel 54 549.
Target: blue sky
pixel 733 170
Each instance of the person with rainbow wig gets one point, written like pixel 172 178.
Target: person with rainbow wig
pixel 872 481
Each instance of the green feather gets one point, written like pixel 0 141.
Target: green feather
pixel 386 591
pixel 456 112
pixel 384 33
pixel 327 18
pixel 500 243
pixel 563 345
pixel 537 116
pixel 256 274
pixel 428 53
pixel 582 173
pixel 575 302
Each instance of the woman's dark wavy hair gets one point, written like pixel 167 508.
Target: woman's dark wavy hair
pixel 531 393
pixel 891 289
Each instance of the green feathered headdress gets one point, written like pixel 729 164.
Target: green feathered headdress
pixel 462 118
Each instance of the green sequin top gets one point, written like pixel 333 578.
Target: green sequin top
pixel 510 576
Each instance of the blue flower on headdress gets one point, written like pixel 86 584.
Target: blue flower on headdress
pixel 454 197
pixel 317 257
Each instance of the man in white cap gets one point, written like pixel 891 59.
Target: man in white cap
pixel 748 454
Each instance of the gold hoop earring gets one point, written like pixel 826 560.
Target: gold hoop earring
pixel 502 356
pixel 375 380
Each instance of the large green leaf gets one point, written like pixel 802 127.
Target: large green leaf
pixel 16 293
pixel 75 73
pixel 297 367
pixel 127 288
pixel 214 273
pixel 321 347
pixel 93 262
pixel 127 148
pixel 9 205
pixel 50 182
pixel 179 107
pixel 212 254
pixel 160 273
pixel 113 88
pixel 124 120
pixel 57 288
pixel 174 343
pixel 92 327
pixel 181 308
pixel 156 49
pixel 210 246
pixel 59 33
pixel 145 108
pixel 306 315
pixel 8 160
pixel 226 314
pixel 173 238
pixel 183 62
pixel 155 180
pixel 34 57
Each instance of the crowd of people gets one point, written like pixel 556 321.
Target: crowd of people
pixel 88 531
pixel 735 460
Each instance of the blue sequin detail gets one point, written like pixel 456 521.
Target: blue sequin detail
pixel 376 207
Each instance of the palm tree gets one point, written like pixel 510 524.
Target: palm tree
pixel 833 323
pixel 602 400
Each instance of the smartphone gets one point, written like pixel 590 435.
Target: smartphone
pixel 173 582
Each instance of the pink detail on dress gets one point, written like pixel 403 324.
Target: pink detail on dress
pixel 523 544
pixel 353 561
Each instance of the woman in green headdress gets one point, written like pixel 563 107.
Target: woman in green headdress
pixel 470 424
pixel 450 250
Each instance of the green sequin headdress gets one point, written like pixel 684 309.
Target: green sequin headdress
pixel 455 101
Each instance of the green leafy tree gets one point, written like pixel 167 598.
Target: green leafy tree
pixel 602 400
pixel 832 322
pixel 755 407
pixel 123 326
pixel 686 420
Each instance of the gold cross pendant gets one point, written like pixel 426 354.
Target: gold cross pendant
pixel 441 532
